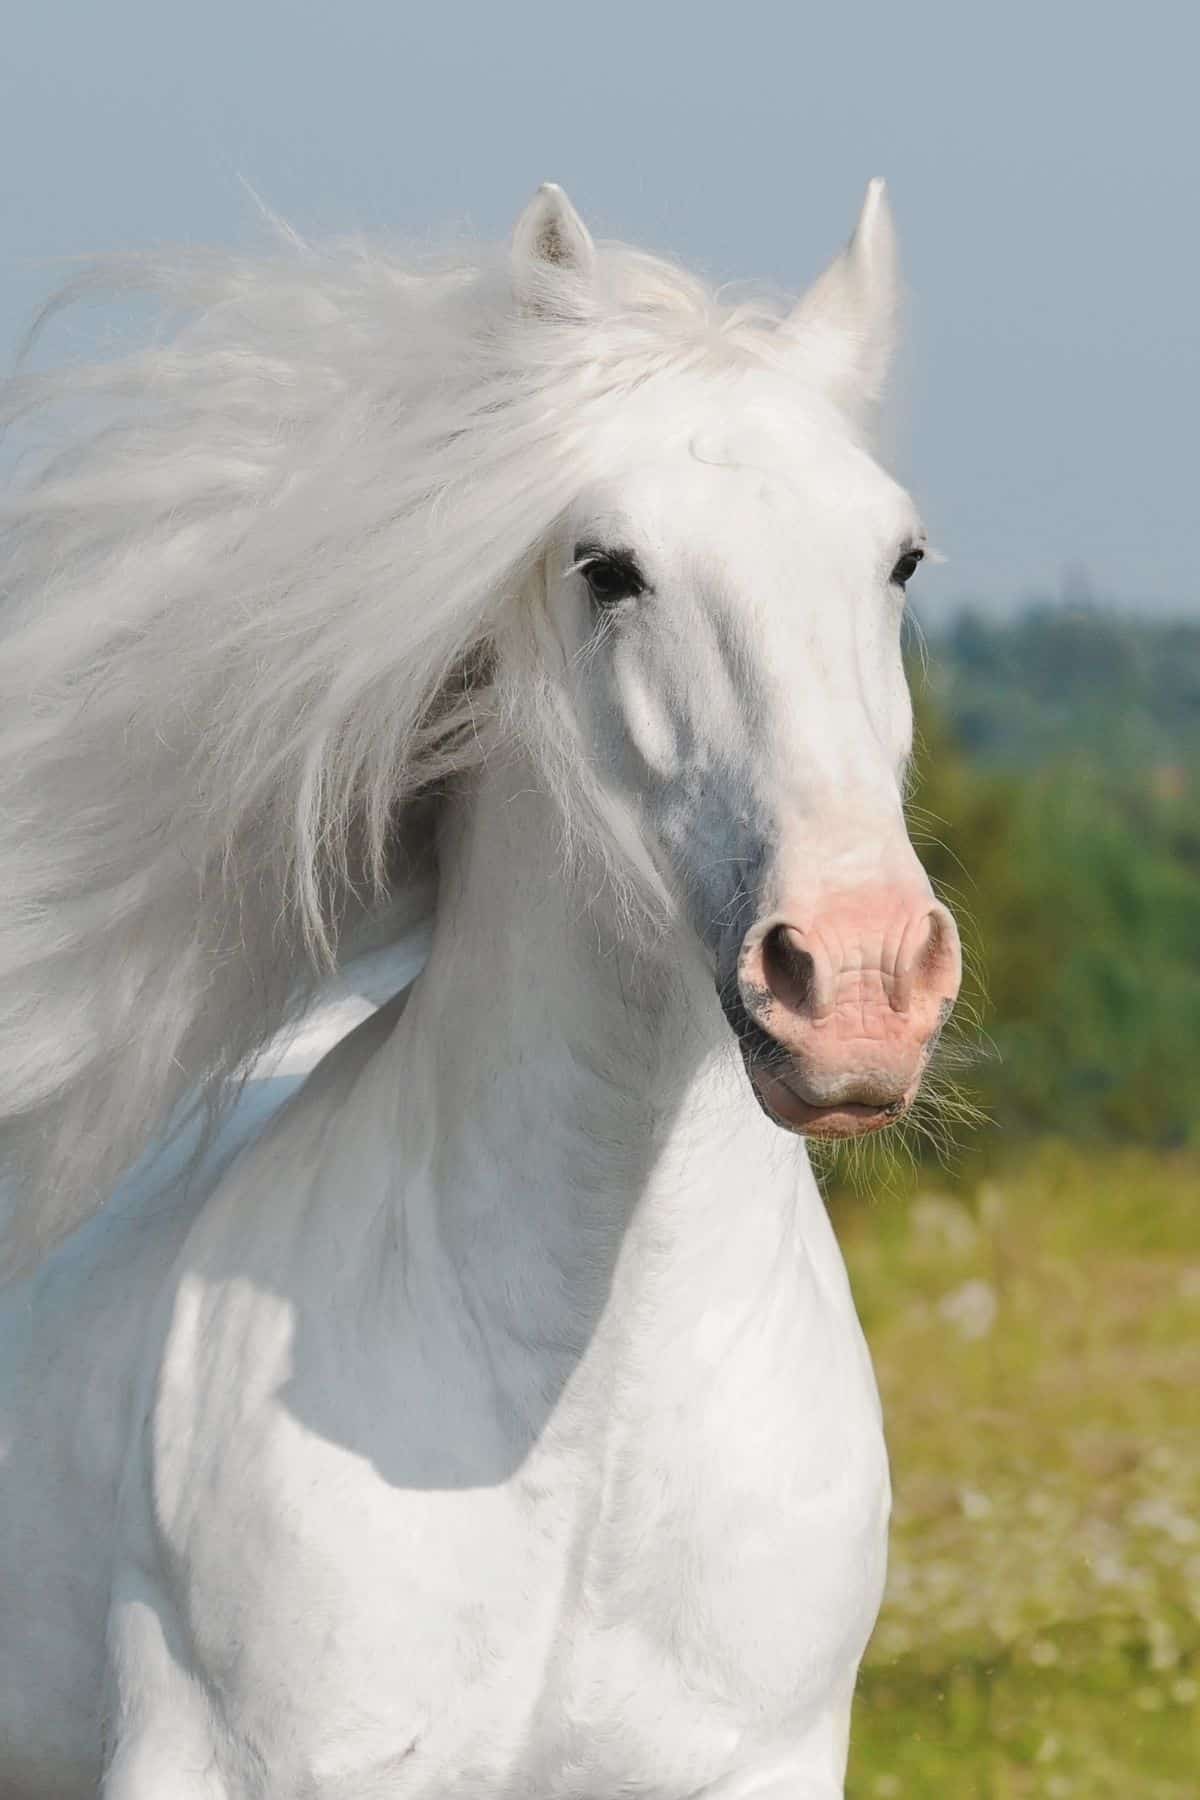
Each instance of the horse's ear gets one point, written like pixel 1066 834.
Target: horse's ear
pixel 550 240
pixel 846 325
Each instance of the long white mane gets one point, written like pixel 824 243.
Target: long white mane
pixel 268 584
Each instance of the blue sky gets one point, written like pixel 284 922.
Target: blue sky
pixel 1042 159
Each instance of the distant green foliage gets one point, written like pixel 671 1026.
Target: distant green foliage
pixel 1124 692
pixel 1066 832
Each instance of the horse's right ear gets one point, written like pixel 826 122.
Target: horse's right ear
pixel 550 240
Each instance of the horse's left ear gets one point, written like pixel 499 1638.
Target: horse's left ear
pixel 846 324
pixel 550 240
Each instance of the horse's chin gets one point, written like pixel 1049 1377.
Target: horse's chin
pixel 846 1119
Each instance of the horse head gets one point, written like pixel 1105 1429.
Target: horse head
pixel 726 597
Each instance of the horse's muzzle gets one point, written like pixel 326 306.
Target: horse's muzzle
pixel 837 1007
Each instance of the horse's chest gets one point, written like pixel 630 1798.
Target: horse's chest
pixel 624 1603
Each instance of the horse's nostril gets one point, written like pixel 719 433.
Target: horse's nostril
pixel 941 958
pixel 787 968
pixel 934 942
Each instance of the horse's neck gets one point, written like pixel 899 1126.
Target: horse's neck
pixel 591 1132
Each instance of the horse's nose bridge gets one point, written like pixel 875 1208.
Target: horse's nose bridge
pixel 833 712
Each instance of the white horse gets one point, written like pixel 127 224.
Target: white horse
pixel 496 1422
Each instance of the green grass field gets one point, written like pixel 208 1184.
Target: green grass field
pixel 1036 1333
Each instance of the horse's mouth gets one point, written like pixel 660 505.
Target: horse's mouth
pixel 777 1081
pixel 843 1119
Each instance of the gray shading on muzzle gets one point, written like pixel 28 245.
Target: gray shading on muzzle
pixel 720 851
pixel 713 830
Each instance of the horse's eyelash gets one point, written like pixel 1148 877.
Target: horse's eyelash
pixel 619 557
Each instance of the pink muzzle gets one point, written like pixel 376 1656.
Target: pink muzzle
pixel 847 998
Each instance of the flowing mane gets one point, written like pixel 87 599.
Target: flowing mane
pixel 259 601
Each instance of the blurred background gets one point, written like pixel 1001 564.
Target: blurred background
pixel 1028 1268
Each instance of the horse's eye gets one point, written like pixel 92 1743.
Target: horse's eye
pixel 906 568
pixel 611 575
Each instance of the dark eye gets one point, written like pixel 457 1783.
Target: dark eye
pixel 611 575
pixel 906 568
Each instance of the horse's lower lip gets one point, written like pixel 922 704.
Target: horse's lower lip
pixel 846 1119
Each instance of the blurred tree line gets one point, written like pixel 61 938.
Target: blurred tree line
pixel 1056 805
